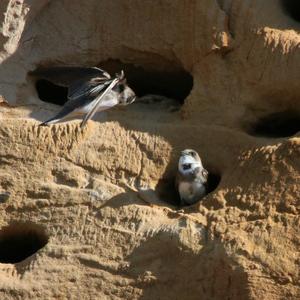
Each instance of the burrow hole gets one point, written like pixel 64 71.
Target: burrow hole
pixel 51 92
pixel 292 8
pixel 175 83
pixel 167 191
pixel 20 240
pixel 276 125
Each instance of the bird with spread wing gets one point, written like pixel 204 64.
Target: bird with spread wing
pixel 89 90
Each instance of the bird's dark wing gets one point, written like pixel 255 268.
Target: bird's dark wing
pixel 97 104
pixel 68 108
pixel 88 89
pixel 64 76
pixel 80 94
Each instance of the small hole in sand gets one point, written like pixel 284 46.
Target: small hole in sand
pixel 166 189
pixel 212 182
pixel 21 240
pixel 292 8
pixel 276 125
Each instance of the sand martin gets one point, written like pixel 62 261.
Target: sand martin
pixel 89 90
pixel 191 177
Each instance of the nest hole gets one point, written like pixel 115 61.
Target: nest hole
pixel 292 8
pixel 212 182
pixel 166 189
pixel 173 82
pixel 276 125
pixel 50 92
pixel 21 240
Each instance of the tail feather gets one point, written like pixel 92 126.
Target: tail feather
pixel 64 76
pixel 50 122
pixel 65 113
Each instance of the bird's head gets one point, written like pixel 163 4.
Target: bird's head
pixel 190 162
pixel 125 94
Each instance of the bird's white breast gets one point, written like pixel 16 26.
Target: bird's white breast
pixel 191 192
pixel 106 103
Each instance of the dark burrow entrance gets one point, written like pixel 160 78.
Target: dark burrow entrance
pixel 292 8
pixel 276 125
pixel 21 240
pixel 175 83
pixel 50 92
pixel 167 191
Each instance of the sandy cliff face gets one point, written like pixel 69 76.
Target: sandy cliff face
pixel 233 67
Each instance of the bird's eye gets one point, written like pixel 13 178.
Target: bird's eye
pixel 121 88
pixel 192 153
pixel 186 166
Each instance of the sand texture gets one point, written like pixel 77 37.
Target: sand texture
pixel 75 225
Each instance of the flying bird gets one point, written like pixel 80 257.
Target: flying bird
pixel 191 177
pixel 89 90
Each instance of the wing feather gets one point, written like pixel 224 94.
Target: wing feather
pixel 80 94
pixel 64 76
pixel 88 89
pixel 91 113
